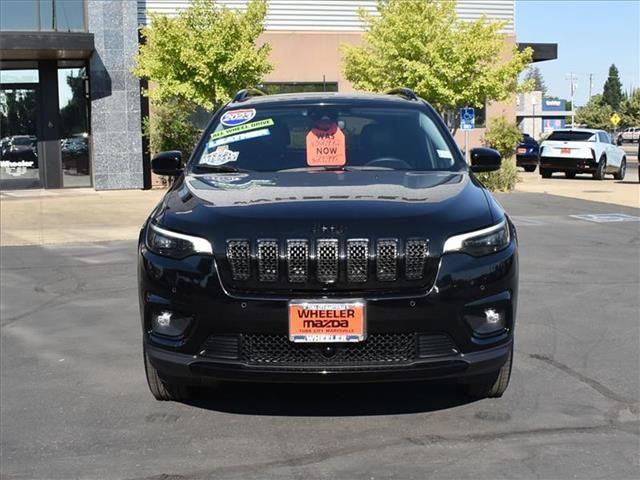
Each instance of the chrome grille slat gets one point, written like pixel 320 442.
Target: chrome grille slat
pixel 327 256
pixel 298 260
pixel 239 256
pixel 357 260
pixel 416 251
pixel 268 260
pixel 387 260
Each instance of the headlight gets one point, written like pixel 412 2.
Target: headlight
pixel 480 242
pixel 174 244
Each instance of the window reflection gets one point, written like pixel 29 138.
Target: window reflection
pixel 19 167
pixel 42 15
pixel 74 142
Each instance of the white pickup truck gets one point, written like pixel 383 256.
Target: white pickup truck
pixel 631 134
pixel 581 150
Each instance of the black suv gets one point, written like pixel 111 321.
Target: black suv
pixel 327 238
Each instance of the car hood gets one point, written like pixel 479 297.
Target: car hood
pixel 360 204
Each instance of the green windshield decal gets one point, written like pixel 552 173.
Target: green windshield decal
pixel 242 128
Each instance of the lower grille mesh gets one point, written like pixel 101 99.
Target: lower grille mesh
pixel 377 349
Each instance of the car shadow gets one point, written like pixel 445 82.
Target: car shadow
pixel 330 400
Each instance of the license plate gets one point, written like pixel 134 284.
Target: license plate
pixel 312 321
pixel 565 151
pixel 522 150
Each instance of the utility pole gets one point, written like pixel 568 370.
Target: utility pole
pixel 590 84
pixel 572 86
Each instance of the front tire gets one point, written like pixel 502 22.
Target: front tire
pixel 492 385
pixel 570 175
pixel 599 173
pixel 619 175
pixel 161 389
pixel 529 168
pixel 545 173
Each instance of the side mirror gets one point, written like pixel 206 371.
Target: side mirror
pixel 167 163
pixel 485 160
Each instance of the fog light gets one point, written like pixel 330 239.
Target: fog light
pixel 487 321
pixel 492 317
pixel 170 324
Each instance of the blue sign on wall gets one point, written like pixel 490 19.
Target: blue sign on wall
pixel 467 118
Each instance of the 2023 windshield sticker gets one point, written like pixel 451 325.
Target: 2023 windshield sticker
pixel 238 138
pixel 267 122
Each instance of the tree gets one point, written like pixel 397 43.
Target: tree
pixel 169 128
pixel 534 76
pixel 205 54
pixel 503 136
pixel 612 92
pixel 630 110
pixel 595 114
pixel 422 45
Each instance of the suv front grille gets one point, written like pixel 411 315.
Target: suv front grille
pixel 329 263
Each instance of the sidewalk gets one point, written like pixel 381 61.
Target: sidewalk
pixel 626 192
pixel 40 217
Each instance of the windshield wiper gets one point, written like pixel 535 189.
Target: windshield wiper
pixel 218 168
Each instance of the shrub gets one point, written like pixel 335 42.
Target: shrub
pixel 504 137
pixel 169 127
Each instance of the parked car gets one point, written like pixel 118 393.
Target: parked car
pixel 527 153
pixel 20 148
pixel 327 238
pixel 631 134
pixel 581 150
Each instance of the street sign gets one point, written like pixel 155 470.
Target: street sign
pixel 615 119
pixel 467 118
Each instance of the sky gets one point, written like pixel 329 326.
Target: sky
pixel 591 35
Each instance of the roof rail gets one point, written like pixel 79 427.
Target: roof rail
pixel 246 93
pixel 403 92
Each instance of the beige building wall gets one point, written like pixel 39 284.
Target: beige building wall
pixel 309 56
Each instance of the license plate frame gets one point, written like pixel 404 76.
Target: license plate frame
pixel 330 327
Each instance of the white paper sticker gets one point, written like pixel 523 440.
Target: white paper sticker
pixel 444 154
pixel 239 137
pixel 219 157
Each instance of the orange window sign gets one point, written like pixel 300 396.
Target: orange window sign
pixel 326 148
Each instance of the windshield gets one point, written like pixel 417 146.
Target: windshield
pixel 572 136
pixel 21 141
pixel 317 137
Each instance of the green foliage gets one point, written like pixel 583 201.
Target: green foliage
pixel 504 137
pixel 169 127
pixel 595 114
pixel 205 54
pixel 422 45
pixel 612 92
pixel 534 76
pixel 630 110
pixel 504 180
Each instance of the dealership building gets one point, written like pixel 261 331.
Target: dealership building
pixel 71 111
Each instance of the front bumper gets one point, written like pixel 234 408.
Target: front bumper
pixel 586 165
pixel 463 284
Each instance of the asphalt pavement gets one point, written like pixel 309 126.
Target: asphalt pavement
pixel 75 403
